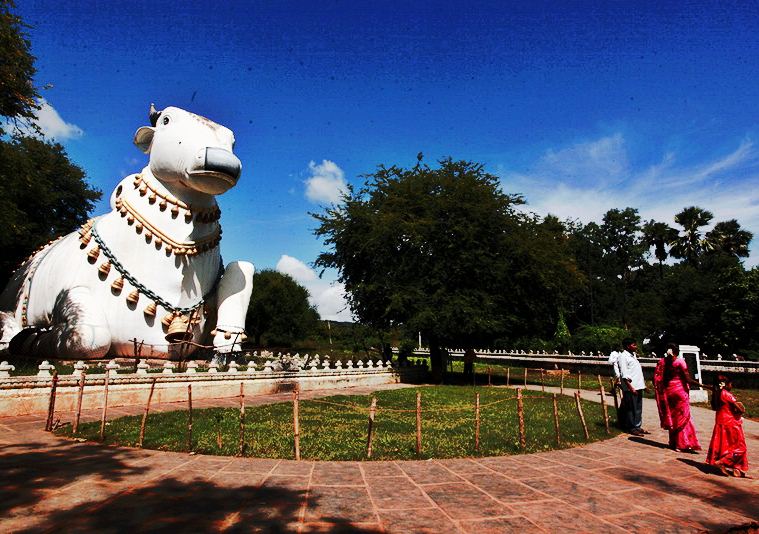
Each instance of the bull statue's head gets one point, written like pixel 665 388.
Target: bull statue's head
pixel 189 150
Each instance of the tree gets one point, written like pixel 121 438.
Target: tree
pixel 17 92
pixel 689 245
pixel 623 249
pixel 437 251
pixel 42 195
pixel 727 237
pixel 658 235
pixel 279 309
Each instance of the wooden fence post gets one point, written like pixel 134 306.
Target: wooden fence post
pixel 477 423
pixel 189 417
pixel 296 420
pixel 582 417
pixel 525 377
pixel 145 414
pixel 105 405
pixel 241 448
pixel 489 381
pixel 542 380
pixel 562 381
pixel 418 423
pixel 603 405
pixel 79 398
pixel 556 420
pixel 372 411
pixel 51 403
pixel 520 414
pixel 508 372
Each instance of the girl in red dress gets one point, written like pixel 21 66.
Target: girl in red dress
pixel 727 450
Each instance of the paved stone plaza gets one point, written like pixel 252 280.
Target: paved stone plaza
pixel 622 484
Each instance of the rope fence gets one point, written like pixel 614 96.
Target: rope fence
pixel 374 413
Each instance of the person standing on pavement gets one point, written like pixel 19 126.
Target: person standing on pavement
pixel 633 385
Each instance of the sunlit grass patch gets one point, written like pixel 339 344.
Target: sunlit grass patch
pixel 335 428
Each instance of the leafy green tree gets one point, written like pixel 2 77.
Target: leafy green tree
pixel 727 237
pixel 438 251
pixel 690 243
pixel 658 235
pixel 17 92
pixel 279 310
pixel 42 195
pixel 624 250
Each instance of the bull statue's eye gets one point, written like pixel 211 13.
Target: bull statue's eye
pixel 166 121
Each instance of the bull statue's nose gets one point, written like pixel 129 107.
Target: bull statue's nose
pixel 222 161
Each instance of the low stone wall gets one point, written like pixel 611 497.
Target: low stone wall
pixel 31 395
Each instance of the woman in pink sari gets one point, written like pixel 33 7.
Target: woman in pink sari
pixel 727 449
pixel 671 386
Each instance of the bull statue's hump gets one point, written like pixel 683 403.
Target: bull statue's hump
pixel 148 272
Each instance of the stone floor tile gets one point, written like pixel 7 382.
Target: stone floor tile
pixel 396 493
pixel 250 465
pixel 430 521
pixel 336 474
pixel 558 516
pixel 502 488
pixel 500 525
pixel 290 467
pixel 381 469
pixel 427 472
pixel 462 466
pixel 464 501
pixel 332 503
pixel 649 522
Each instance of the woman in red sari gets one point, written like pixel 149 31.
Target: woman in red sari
pixel 671 386
pixel 727 449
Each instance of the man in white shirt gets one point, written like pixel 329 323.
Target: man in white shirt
pixel 633 385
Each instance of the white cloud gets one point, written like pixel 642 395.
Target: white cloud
pixel 585 180
pixel 327 296
pixel 326 183
pixel 53 125
pixel 296 268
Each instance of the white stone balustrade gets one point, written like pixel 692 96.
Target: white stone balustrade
pixel 191 367
pixel 5 369
pixel 45 368
pixel 79 368
pixel 213 367
pixel 268 367
pixel 142 367
pixel 168 368
pixel 112 368
pixel 232 367
pixel 349 364
pixel 251 370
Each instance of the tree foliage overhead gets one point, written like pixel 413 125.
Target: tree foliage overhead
pixel 443 251
pixel 18 94
pixel 42 196
pixel 42 193
pixel 279 312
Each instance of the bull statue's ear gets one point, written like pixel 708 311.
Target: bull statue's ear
pixel 143 138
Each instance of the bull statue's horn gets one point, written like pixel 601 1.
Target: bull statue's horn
pixel 153 115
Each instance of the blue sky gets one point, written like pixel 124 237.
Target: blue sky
pixel 581 106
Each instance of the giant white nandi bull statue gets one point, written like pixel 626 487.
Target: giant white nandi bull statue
pixel 149 270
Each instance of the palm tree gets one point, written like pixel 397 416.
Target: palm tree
pixel 729 238
pixel 689 244
pixel 658 235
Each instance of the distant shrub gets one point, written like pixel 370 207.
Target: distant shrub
pixel 605 338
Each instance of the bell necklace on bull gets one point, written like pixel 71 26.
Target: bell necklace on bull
pixel 164 194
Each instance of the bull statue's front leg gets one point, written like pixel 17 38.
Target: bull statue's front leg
pixel 78 330
pixel 233 296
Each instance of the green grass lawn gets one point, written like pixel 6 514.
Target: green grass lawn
pixel 335 428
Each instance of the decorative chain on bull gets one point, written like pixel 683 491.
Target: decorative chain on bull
pixel 176 320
